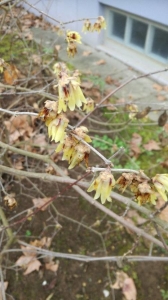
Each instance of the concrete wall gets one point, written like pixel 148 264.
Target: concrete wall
pixel 69 10
pixel 154 10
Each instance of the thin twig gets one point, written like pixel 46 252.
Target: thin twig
pixel 117 89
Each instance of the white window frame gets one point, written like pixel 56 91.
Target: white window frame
pixel 126 41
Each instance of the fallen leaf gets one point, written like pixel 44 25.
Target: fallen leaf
pixel 161 98
pixel 99 62
pixel 36 59
pixel 10 74
pixel 86 53
pixel 143 113
pixel 28 251
pixel 129 289
pixel 126 284
pixel 157 87
pixel 110 80
pixel 87 84
pixel 138 220
pixel 45 241
pixel 135 143
pixel 19 126
pixel 58 47
pixel 166 127
pixel 23 261
pixel 33 265
pixel 120 278
pixel 151 145
pixel 28 35
pixel 163 119
pixel 40 141
pixel 42 203
pixel 163 215
pixel 52 266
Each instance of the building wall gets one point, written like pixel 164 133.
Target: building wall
pixel 154 10
pixel 69 10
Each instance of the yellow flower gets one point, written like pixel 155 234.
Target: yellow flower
pixel 87 26
pixel 67 146
pixel 82 133
pixel 89 106
pixel 81 152
pixel 59 69
pixel 57 127
pixel 160 182
pixel 145 194
pixel 99 24
pixel 103 185
pixel 49 111
pixel 74 151
pixel 73 36
pixel 125 180
pixel 70 94
pixel 71 49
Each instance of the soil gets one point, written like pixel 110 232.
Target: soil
pixel 79 280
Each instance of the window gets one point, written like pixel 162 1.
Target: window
pixel 140 34
pixel 160 43
pixel 118 27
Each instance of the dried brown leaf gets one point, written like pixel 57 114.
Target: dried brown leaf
pixel 126 284
pixel 135 143
pixel 100 62
pixel 157 87
pixel 42 203
pixel 163 119
pixel 28 251
pixel 151 145
pixel 58 47
pixel 23 261
pixel 163 215
pixel 129 289
pixel 33 265
pixel 110 80
pixel 120 278
pixel 40 140
pixel 161 98
pixel 138 220
pixel 11 74
pixel 37 59
pixel 52 266
pixel 87 85
pixel 86 53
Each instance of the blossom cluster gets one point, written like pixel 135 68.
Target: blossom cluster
pixel 97 26
pixel 69 91
pixel 144 189
pixel 72 39
pixel 74 150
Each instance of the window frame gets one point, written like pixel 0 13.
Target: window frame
pixel 147 50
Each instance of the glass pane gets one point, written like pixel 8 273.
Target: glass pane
pixel 138 33
pixel 119 22
pixel 160 43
